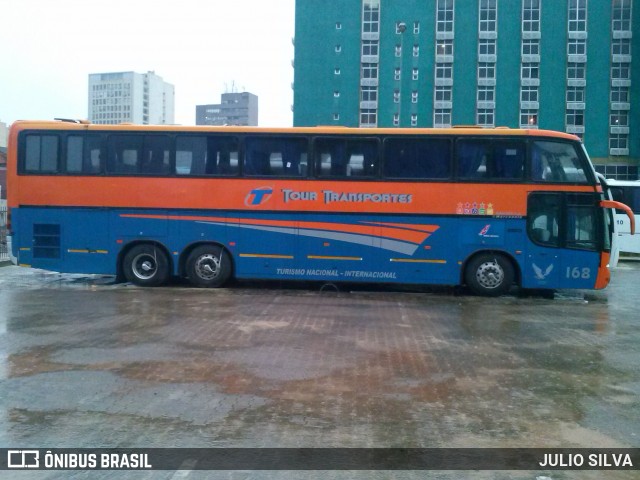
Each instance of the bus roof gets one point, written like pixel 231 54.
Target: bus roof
pixel 465 130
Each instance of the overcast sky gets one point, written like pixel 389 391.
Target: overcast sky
pixel 49 47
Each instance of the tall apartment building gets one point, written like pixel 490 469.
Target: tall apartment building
pixel 234 109
pixel 556 64
pixel 129 97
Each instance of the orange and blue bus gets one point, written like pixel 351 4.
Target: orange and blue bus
pixel 486 208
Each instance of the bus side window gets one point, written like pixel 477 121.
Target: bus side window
pixel 508 160
pixel 342 158
pixel 41 154
pixel 222 156
pixel 124 153
pixel 473 159
pixel 276 156
pixel 156 155
pixel 417 158
pixel 84 154
pixel 191 155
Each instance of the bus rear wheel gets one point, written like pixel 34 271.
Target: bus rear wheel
pixel 489 275
pixel 208 266
pixel 146 265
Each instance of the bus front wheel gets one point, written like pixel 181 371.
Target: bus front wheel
pixel 490 275
pixel 146 265
pixel 208 266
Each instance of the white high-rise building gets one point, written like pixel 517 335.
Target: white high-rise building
pixel 129 97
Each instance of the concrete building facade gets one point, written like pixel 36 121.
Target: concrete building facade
pixel 237 108
pixel 129 97
pixel 564 65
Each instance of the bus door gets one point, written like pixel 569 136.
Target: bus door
pixel 543 228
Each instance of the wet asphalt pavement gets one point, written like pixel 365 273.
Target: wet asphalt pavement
pixel 86 363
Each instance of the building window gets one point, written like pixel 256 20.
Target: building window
pixel 368 117
pixel 336 117
pixel 577 47
pixel 486 70
pixel 369 94
pixel 485 117
pixel 575 118
pixel 619 94
pixel 619 119
pixel 416 28
pixel 338 26
pixel 577 15
pixel 529 94
pixel 488 15
pixel 486 47
pixel 398 50
pixel 621 15
pixel 486 94
pixel 338 48
pixel 336 93
pixel 618 142
pixel 371 16
pixel 444 70
pixel 396 119
pixel 414 74
pixel 442 117
pixel 370 47
pixel 396 96
pixel 369 70
pixel 531 47
pixel 336 71
pixel 621 46
pixel 444 16
pixel 528 119
pixel 414 97
pixel 575 94
pixel 443 94
pixel 414 120
pixel 530 71
pixel 531 15
pixel 620 71
pixel 396 74
pixel 575 72
pixel 444 47
pixel 416 50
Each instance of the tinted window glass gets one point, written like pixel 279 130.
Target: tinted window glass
pixel 339 157
pixel 191 155
pixel 417 158
pixel 74 154
pixel 556 162
pixel 84 154
pixel 41 153
pixel 581 222
pixel 156 156
pixel 202 155
pixel 543 222
pixel 490 159
pixel 286 156
pixel 125 152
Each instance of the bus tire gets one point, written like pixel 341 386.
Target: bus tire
pixel 146 265
pixel 208 266
pixel 489 274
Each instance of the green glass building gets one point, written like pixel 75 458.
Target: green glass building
pixel 556 64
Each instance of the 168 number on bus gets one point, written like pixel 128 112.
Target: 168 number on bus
pixel 577 272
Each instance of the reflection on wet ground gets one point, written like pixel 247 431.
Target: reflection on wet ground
pixel 84 363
